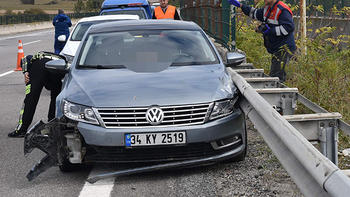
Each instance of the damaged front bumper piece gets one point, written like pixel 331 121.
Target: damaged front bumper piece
pixel 48 138
pixel 51 138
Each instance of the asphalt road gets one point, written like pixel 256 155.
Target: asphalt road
pixel 259 175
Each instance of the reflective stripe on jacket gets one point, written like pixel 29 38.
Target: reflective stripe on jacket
pixel 281 24
pixel 169 13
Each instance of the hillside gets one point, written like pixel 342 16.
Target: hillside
pixel 42 4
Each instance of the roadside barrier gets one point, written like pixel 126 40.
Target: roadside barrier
pixel 270 106
pixel 20 55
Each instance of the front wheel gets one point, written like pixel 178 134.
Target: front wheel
pixel 67 166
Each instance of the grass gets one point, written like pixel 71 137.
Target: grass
pixel 323 75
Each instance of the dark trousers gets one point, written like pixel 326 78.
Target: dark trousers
pixel 58 46
pixel 278 63
pixel 39 78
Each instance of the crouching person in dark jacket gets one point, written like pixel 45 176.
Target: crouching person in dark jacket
pixel 36 77
pixel 62 23
pixel 277 28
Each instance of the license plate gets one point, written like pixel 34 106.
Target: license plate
pixel 149 139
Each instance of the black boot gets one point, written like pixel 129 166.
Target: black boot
pixel 16 134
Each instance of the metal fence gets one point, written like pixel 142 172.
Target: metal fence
pixel 216 17
pixel 29 18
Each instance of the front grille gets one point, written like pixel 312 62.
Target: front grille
pixel 152 154
pixel 136 117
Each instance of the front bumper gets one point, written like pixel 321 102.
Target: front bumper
pixel 207 140
pixel 180 164
pixel 231 125
pixel 53 139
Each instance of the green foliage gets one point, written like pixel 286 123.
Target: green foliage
pixel 53 2
pixel 28 2
pixel 88 6
pixel 34 11
pixel 93 5
pixel 79 6
pixel 174 3
pixel 323 75
pixel 253 44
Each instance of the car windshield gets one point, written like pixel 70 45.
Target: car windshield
pixel 139 13
pixel 79 31
pixel 147 50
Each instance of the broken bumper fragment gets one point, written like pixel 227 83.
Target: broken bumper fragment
pixel 47 138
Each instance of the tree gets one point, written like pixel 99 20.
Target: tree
pixel 28 2
pixel 79 6
pixel 93 5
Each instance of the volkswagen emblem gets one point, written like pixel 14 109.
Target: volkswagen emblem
pixel 154 115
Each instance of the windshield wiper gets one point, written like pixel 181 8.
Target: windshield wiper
pixel 189 63
pixel 102 66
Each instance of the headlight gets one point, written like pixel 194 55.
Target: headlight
pixel 79 113
pixel 223 108
pixel 69 58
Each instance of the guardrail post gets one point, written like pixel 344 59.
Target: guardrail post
pixel 329 140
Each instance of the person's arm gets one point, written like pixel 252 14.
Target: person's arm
pixel 26 64
pixel 154 15
pixel 54 21
pixel 254 13
pixel 177 16
pixel 69 22
pixel 285 24
pixel 249 11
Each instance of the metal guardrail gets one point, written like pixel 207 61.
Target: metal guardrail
pixel 288 135
pixel 29 18
pixel 314 171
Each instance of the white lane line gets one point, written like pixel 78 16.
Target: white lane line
pixel 102 188
pixel 31 42
pixel 6 73
pixel 25 35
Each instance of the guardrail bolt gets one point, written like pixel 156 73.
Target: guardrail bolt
pixel 321 124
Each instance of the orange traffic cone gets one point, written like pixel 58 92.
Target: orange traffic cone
pixel 20 55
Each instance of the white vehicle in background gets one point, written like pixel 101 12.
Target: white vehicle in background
pixel 82 26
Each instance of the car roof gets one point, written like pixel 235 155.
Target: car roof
pixel 142 25
pixel 109 17
pixel 111 3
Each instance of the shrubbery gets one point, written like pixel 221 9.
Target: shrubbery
pixel 88 6
pixel 31 11
pixel 34 11
pixel 322 75
pixel 28 2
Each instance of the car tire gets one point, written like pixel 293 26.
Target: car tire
pixel 67 166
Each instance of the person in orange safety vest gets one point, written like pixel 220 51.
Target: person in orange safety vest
pixel 165 11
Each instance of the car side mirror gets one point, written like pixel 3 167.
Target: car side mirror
pixel 59 66
pixel 234 59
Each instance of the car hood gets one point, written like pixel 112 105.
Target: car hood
pixel 71 48
pixel 126 88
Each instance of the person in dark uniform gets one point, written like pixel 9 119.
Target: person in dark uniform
pixel 62 23
pixel 165 11
pixel 36 77
pixel 277 28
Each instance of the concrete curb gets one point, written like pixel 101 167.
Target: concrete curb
pixel 27 27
